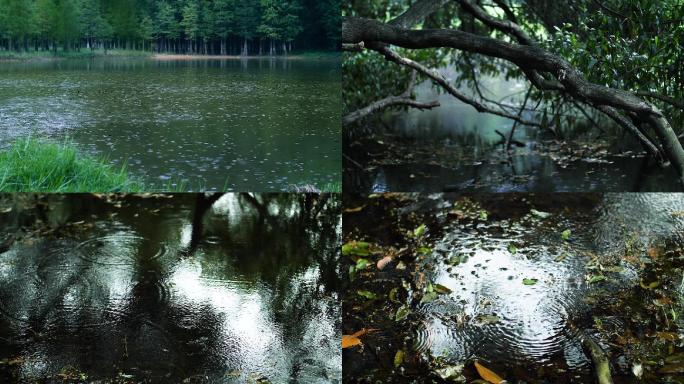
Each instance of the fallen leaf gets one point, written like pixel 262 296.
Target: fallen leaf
pixel 382 263
pixel 367 294
pixel 429 297
pixel 596 279
pixel 566 234
pixel 398 358
pixel 512 248
pixel 487 374
pixel 487 319
pixel 651 285
pixel 671 336
pixel 540 214
pixel 420 231
pixel 353 210
pixel 452 373
pixel 358 248
pixel 528 281
pixel 442 290
pixel 352 340
pixel 402 313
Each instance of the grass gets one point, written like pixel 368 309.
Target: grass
pixel 30 165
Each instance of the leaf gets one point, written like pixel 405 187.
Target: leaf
pixel 398 358
pixel 429 297
pixel 442 290
pixel 393 294
pixel 452 373
pixel 420 231
pixel 528 281
pixel 349 341
pixel 566 234
pixel 651 285
pixel 402 313
pixel 483 215
pixel 367 294
pixel 454 260
pixel 382 263
pixel 362 264
pixel 487 319
pixel 358 248
pixel 354 210
pixel 423 250
pixel 512 248
pixel 596 279
pixel 560 257
pixel 540 214
pixel 487 374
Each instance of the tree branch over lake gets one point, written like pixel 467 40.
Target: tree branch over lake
pixel 546 70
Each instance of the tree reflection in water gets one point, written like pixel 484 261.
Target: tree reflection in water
pixel 210 288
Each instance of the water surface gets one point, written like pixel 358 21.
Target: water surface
pixel 247 125
pixel 138 288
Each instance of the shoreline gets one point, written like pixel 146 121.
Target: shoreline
pixel 171 56
pixel 41 56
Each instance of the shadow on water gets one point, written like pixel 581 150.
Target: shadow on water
pixel 132 288
pixel 522 280
pixel 246 125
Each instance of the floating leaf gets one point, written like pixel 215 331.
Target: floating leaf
pixel 596 279
pixel 429 297
pixel 439 288
pixel 487 374
pixel 512 248
pixel 358 248
pixel 451 373
pixel 349 341
pixel 362 263
pixel 354 210
pixel 423 250
pixel 540 214
pixel 651 285
pixel 528 281
pixel 402 313
pixel 487 319
pixel 454 260
pixel 420 231
pixel 566 234
pixel 382 263
pixel 483 215
pixel 367 294
pixel 398 358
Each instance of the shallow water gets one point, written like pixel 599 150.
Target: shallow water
pixel 532 333
pixel 247 125
pixel 114 288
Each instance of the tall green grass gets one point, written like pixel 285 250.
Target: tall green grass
pixel 30 165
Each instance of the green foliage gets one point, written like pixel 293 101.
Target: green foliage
pixel 170 25
pixel 31 165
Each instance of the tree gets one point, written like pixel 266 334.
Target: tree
pixel 190 24
pixel 508 37
pixel 246 22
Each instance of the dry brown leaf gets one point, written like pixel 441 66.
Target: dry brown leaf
pixel 382 263
pixel 671 336
pixel 652 253
pixel 353 210
pixel 487 374
pixel 353 340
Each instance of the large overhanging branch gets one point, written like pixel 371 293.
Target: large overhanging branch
pixel 530 58
pixel 444 83
pixel 403 99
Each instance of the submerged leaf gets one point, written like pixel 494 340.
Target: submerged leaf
pixel 429 297
pixel 420 231
pixel 487 374
pixel 398 358
pixel 402 313
pixel 596 279
pixel 439 288
pixel 512 248
pixel 367 294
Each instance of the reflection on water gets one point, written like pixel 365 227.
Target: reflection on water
pixel 539 326
pixel 118 286
pixel 248 125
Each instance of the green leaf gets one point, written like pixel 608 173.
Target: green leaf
pixel 358 248
pixel 393 294
pixel 398 358
pixel 596 279
pixel 362 264
pixel 424 250
pixel 402 313
pixel 483 215
pixel 566 234
pixel 420 231
pixel 442 290
pixel 512 248
pixel 367 294
pixel 528 281
pixel 540 214
pixel 429 297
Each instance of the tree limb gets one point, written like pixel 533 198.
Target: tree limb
pixel 403 99
pixel 417 13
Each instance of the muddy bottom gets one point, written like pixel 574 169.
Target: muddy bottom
pixel 520 284
pixel 169 288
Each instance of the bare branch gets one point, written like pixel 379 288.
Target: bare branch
pixel 663 98
pixel 417 13
pixel 403 99
pixel 357 47
pixel 505 26
pixel 648 145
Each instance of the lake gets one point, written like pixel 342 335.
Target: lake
pixel 138 289
pixel 235 124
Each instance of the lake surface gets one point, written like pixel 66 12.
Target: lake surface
pixel 520 296
pixel 247 125
pixel 115 288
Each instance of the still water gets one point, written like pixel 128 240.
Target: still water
pixel 454 147
pixel 170 288
pixel 247 125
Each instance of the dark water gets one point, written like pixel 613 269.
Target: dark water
pixel 248 125
pixel 484 166
pixel 532 333
pixel 129 288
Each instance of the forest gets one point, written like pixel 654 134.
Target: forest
pixel 209 27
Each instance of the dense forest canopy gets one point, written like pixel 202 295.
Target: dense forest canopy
pixel 620 60
pixel 246 27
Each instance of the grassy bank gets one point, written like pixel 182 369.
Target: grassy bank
pixel 34 166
